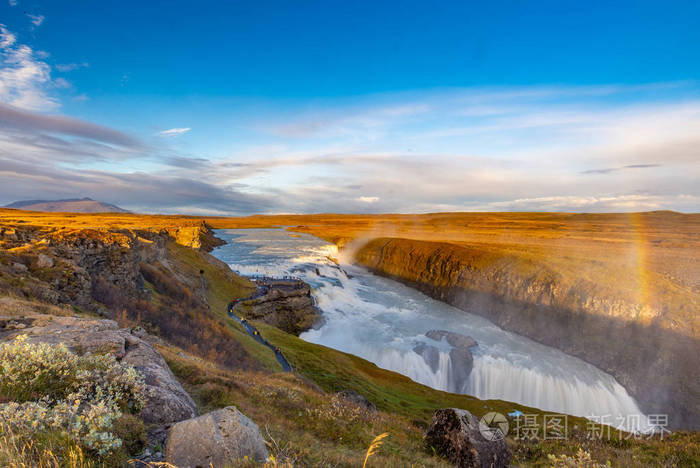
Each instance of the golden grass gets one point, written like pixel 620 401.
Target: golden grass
pixel 374 447
pixel 17 451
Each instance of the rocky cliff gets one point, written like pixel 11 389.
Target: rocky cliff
pixel 657 365
pixel 289 308
pixel 135 276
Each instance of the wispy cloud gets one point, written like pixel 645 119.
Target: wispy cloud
pixel 609 170
pixel 36 20
pixel 174 132
pixel 25 80
pixel 368 199
pixel 13 2
pixel 28 122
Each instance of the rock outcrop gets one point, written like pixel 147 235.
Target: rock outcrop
pixel 456 434
pixel 167 401
pixel 219 438
pixel 199 237
pixel 461 359
pixel 290 308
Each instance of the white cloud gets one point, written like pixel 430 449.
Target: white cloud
pixel 174 131
pixel 13 2
pixel 25 80
pixel 36 19
pixel 368 199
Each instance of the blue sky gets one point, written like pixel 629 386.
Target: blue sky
pixel 244 107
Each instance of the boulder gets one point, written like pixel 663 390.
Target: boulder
pixel 167 401
pixel 430 354
pixel 455 434
pixel 357 399
pixel 219 438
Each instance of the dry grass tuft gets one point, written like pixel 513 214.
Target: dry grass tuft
pixel 374 446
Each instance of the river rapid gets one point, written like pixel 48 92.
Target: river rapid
pixel 382 321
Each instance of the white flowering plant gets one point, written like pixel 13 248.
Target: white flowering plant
pixel 48 388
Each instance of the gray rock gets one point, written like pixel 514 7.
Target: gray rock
pixel 44 261
pixel 215 439
pixel 455 339
pixel 167 402
pixel 461 360
pixel 357 399
pixel 20 266
pixel 461 364
pixel 430 354
pixel 454 434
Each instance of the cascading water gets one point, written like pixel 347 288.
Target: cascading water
pixel 383 321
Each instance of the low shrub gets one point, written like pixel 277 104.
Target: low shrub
pixel 582 459
pixel 55 398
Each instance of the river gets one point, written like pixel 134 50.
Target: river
pixel 382 321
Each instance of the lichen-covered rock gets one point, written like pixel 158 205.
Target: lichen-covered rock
pixel 215 439
pixel 455 434
pixel 167 401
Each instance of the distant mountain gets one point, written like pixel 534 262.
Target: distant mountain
pixel 71 205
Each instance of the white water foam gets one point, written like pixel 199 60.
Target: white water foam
pixel 382 321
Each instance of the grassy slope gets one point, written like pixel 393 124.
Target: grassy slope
pixel 222 287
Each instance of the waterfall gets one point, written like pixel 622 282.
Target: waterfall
pixel 383 321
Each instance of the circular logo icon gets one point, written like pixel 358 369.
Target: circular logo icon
pixel 493 426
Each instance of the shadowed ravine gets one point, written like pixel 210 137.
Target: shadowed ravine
pixel 381 320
